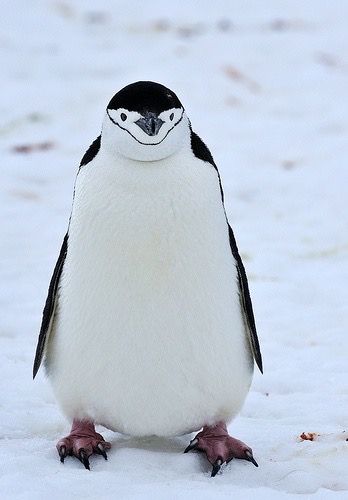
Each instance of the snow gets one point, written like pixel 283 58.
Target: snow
pixel 265 85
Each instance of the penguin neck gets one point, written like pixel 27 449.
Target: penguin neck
pixel 114 165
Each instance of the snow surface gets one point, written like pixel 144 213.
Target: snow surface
pixel 265 85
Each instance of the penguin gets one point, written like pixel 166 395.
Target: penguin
pixel 148 327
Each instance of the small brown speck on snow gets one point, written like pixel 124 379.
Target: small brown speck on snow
pixel 309 436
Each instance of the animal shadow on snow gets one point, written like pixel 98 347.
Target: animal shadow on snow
pixel 174 446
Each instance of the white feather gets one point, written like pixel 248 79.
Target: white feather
pixel 148 335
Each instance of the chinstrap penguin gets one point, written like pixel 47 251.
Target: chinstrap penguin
pixel 148 327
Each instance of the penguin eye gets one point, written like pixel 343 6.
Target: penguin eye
pixel 123 117
pixel 171 117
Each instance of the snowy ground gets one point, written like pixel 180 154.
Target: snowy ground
pixel 265 85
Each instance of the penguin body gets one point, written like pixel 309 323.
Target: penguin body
pixel 148 328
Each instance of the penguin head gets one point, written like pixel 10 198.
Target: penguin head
pixel 145 121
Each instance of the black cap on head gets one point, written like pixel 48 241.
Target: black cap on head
pixel 145 96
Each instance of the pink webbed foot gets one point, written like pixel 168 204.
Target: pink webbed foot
pixel 82 442
pixel 219 447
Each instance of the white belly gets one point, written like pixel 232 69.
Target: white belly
pixel 148 335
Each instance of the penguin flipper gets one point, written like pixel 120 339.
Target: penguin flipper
pixel 48 312
pixel 246 301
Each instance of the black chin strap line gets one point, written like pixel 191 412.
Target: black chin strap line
pixel 145 143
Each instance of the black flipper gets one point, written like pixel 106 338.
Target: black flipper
pixel 246 301
pixel 201 151
pixel 48 312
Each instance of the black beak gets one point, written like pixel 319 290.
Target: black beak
pixel 150 123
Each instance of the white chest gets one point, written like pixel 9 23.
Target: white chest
pixel 149 302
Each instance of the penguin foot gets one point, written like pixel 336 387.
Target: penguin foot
pixel 219 447
pixel 82 442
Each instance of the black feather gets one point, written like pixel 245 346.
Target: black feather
pixel 145 96
pixel 201 151
pixel 49 306
pixel 91 152
pixel 246 300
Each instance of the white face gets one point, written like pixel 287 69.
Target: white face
pixel 144 137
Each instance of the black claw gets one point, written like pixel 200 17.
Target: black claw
pixel 62 453
pixel 250 458
pixel 192 446
pixel 216 467
pixel 101 451
pixel 83 457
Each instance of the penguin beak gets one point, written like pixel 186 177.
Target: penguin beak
pixel 150 123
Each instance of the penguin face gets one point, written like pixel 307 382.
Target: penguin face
pixel 145 121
